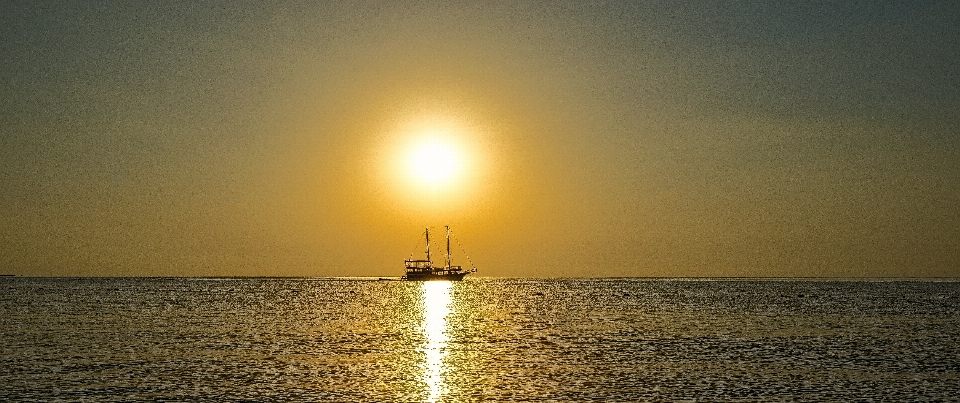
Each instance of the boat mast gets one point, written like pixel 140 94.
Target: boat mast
pixel 448 247
pixel 428 244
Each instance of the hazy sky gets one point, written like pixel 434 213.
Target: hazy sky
pixel 599 138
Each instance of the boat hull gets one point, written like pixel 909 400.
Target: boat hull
pixel 435 277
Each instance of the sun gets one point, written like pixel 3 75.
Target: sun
pixel 431 166
pixel 434 162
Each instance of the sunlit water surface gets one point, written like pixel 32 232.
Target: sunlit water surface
pixel 480 339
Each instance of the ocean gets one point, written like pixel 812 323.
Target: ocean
pixel 482 339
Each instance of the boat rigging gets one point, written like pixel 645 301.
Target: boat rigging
pixel 423 269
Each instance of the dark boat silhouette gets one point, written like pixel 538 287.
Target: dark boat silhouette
pixel 424 270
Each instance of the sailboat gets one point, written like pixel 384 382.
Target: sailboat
pixel 421 270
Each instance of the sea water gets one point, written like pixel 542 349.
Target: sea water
pixel 252 339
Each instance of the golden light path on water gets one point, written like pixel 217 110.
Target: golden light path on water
pixel 436 307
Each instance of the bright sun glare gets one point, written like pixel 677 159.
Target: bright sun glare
pixel 434 162
pixel 434 167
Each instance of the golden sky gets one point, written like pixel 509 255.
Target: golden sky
pixel 601 139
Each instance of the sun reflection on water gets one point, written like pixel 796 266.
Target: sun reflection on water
pixel 436 307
